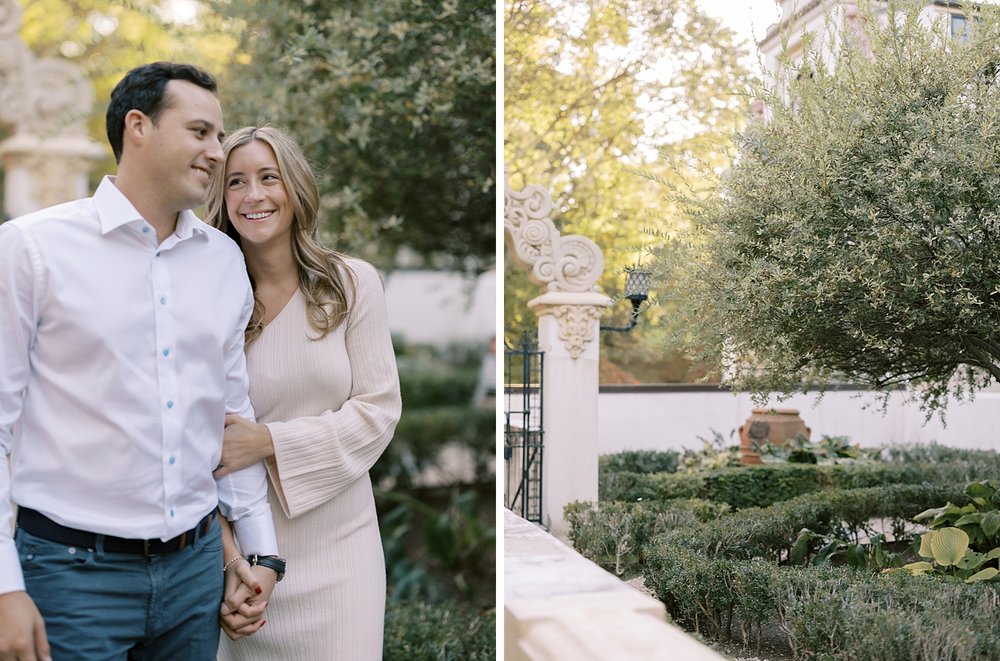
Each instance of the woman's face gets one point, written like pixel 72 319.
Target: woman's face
pixel 256 198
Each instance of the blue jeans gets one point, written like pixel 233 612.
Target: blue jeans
pixel 101 606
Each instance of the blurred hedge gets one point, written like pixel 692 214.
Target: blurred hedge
pixel 445 632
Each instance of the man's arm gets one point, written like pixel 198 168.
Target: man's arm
pixel 243 494
pixel 22 631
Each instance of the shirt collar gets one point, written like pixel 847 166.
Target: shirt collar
pixel 114 210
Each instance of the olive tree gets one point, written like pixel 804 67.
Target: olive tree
pixel 857 235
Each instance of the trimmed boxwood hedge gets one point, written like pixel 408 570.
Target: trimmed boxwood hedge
pixel 613 534
pixel 832 612
pixel 770 532
pixel 760 486
pixel 640 461
pixel 717 573
pixel 713 574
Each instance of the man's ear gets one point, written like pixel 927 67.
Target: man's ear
pixel 137 125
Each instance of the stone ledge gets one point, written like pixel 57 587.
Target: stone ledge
pixel 559 605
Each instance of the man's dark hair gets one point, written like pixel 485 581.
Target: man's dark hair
pixel 142 89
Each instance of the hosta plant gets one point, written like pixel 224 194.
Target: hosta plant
pixel 979 520
pixel 948 555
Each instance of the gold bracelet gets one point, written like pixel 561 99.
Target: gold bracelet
pixel 228 564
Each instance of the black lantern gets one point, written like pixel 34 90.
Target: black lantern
pixel 637 291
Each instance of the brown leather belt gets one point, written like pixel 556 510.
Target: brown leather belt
pixel 36 523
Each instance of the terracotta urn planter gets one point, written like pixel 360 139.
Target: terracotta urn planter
pixel 768 425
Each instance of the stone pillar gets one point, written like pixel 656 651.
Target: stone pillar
pixel 567 332
pixel 568 325
pixel 47 102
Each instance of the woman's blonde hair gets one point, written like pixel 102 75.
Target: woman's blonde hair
pixel 322 271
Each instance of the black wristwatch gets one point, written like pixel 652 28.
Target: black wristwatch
pixel 269 561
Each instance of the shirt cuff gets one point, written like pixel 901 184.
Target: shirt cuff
pixel 11 577
pixel 255 534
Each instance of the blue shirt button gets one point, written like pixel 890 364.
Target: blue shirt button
pixel 172 460
pixel 171 512
pixel 166 352
pixel 163 300
pixel 145 230
pixel 170 404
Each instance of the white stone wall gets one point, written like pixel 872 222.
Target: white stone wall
pixel 441 307
pixel 643 419
pixel 559 606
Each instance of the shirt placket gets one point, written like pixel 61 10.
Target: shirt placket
pixel 167 381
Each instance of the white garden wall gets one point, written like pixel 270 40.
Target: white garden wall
pixel 673 417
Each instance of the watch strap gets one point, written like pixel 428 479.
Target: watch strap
pixel 269 561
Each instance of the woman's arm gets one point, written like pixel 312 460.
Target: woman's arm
pixel 319 457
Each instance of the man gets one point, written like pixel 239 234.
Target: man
pixel 121 351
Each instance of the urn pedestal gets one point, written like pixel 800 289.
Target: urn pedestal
pixel 768 425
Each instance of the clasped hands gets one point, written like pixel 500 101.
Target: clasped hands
pixel 247 591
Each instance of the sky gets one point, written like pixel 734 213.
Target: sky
pixel 748 18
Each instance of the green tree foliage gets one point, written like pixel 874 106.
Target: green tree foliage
pixel 395 102
pixel 856 234
pixel 597 93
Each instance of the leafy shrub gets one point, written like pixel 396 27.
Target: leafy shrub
pixel 453 529
pixel 442 632
pixel 839 614
pixel 800 450
pixel 770 532
pixel 717 452
pixel 640 461
pixel 632 487
pixel 759 486
pixel 979 519
pixel 830 612
pixel 613 534
pixel 437 385
pixel 932 453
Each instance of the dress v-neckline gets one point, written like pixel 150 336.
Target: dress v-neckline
pixel 285 307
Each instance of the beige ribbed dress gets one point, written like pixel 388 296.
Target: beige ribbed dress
pixel 331 406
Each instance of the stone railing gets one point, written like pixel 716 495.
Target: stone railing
pixel 558 605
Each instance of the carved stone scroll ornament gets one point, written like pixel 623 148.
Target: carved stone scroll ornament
pixel 567 266
pixel 569 263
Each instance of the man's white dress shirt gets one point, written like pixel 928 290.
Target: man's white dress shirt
pixel 119 358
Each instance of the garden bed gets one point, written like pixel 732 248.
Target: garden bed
pixel 806 575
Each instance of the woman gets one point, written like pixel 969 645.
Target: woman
pixel 324 385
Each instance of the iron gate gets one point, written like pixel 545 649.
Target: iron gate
pixel 523 432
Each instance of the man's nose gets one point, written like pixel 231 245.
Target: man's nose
pixel 214 153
